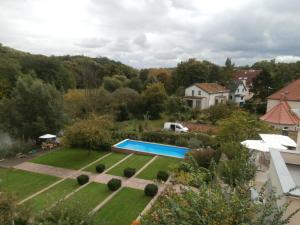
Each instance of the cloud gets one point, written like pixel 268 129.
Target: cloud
pixel 153 33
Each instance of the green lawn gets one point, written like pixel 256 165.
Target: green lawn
pixel 107 161
pixel 23 183
pixel 69 158
pixel 134 161
pixel 133 125
pixel 90 196
pixel 160 163
pixel 122 208
pixel 52 195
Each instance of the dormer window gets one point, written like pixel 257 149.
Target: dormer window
pixel 193 92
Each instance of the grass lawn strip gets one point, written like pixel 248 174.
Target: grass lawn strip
pixel 135 161
pixel 90 196
pixel 23 183
pixel 160 163
pixel 107 161
pixel 69 158
pixel 123 208
pixel 47 198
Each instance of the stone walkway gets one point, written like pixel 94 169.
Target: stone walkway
pixel 94 177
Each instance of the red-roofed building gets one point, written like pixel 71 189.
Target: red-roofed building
pixel 290 93
pixel 281 116
pixel 280 105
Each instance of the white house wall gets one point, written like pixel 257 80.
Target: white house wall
pixel 272 102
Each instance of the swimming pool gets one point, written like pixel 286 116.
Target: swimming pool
pixel 150 148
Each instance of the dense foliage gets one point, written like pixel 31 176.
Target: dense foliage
pixel 34 108
pixel 92 133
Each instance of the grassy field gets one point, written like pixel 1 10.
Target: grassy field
pixel 46 199
pixel 160 163
pixel 23 183
pixel 133 125
pixel 107 161
pixel 123 208
pixel 134 161
pixel 90 196
pixel 69 158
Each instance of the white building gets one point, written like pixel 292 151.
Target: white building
pixel 240 90
pixel 205 95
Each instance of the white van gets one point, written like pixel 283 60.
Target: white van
pixel 177 127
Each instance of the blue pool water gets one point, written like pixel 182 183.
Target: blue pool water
pixel 153 148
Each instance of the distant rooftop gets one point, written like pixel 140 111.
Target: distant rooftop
pixel 291 92
pixel 212 87
pixel 248 75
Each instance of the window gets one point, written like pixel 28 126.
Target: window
pixel 216 102
pixel 237 90
pixel 193 92
pixel 230 96
pixel 242 97
pixel 199 92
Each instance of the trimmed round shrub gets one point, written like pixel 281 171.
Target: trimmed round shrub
pixel 151 190
pixel 162 175
pixel 114 184
pixel 83 179
pixel 100 168
pixel 129 172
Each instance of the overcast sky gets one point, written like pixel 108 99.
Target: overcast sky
pixel 155 33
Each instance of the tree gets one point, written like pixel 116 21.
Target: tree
pixel 212 204
pixel 263 85
pixel 241 126
pixel 92 133
pixel 153 99
pixel 34 108
pixel 111 84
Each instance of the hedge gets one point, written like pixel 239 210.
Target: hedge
pixel 83 179
pixel 151 190
pixel 129 172
pixel 100 168
pixel 114 184
pixel 162 175
pixel 181 139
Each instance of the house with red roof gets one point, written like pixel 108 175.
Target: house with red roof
pixel 281 105
pixel 205 95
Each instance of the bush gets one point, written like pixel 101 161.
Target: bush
pixel 203 156
pixel 114 184
pixel 162 175
pixel 100 168
pixel 92 133
pixel 129 172
pixel 83 179
pixel 151 190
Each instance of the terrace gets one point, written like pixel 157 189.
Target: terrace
pixel 51 178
